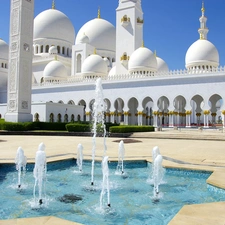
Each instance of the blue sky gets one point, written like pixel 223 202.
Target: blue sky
pixel 170 26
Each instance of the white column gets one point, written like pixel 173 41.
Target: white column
pixel 20 61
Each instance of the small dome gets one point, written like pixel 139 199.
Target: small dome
pixel 84 39
pixel 202 52
pixel 142 59
pixel 101 34
pixel 4 50
pixel 53 50
pixel 55 69
pixel 106 61
pixel 94 65
pixel 112 72
pixel 161 65
pixel 53 24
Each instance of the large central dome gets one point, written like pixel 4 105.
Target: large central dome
pixel 54 24
pixel 101 34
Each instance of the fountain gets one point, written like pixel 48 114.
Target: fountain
pixel 105 181
pixel 121 152
pixel 39 171
pixel 99 108
pixel 80 156
pixel 20 161
pixel 155 153
pixel 157 174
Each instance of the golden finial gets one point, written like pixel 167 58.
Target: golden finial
pixel 56 58
pixel 203 7
pixel 95 52
pixel 53 4
pixel 143 44
pixel 99 13
pixel 155 53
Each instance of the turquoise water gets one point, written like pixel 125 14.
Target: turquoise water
pixel 131 194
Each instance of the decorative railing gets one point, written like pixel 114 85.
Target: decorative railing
pixel 137 76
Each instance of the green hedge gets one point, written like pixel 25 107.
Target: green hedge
pixel 28 126
pixel 130 129
pixel 76 127
pixel 49 126
pixel 9 126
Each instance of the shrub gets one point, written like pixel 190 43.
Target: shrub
pixel 130 129
pixel 78 127
pixel 50 126
pixel 10 126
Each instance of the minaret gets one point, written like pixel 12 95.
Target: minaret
pixel 203 30
pixel 129 32
pixel 20 61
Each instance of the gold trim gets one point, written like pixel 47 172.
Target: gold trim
pixel 139 20
pixel 125 19
pixel 53 4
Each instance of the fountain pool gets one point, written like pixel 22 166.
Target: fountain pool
pixel 69 194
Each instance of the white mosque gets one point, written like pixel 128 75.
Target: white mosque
pixel 139 88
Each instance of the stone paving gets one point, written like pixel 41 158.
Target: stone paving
pixel 182 148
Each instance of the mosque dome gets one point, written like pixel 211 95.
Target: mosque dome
pixel 142 59
pixel 84 39
pixel 4 50
pixel 112 72
pixel 94 65
pixel 55 69
pixel 53 24
pixel 101 34
pixel 161 65
pixel 53 50
pixel 202 53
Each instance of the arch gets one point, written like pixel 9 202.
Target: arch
pixel 179 103
pixel 91 103
pixel 68 52
pixel 215 103
pixel 72 118
pixel 107 103
pixel 163 103
pixel 59 118
pixel 79 57
pixel 78 117
pixel 113 60
pixel 147 105
pixel 61 102
pixel 133 109
pixel 83 103
pixel 36 49
pixel 66 118
pixel 63 50
pixel 51 118
pixel 47 48
pixel 42 49
pixel 71 102
pixel 58 49
pixel 36 117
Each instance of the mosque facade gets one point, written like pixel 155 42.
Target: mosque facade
pixel 139 88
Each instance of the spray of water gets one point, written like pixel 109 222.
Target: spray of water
pixel 39 172
pixel 21 162
pixel 121 153
pixel 99 107
pixel 158 173
pixel 105 182
pixel 80 156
